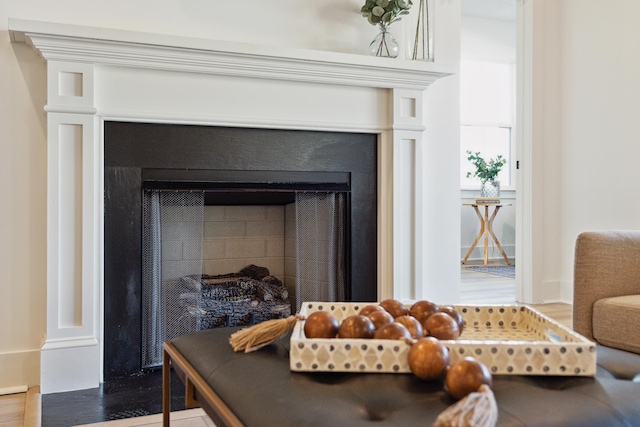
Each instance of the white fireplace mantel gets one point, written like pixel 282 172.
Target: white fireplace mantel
pixel 60 42
pixel 97 74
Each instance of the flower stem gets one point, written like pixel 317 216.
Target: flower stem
pixel 422 27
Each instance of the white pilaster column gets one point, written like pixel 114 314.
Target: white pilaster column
pixel 407 192
pixel 71 356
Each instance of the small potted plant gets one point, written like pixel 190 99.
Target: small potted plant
pixel 488 172
pixel 383 13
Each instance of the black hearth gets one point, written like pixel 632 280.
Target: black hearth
pixel 237 166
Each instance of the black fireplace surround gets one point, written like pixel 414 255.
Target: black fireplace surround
pixel 251 159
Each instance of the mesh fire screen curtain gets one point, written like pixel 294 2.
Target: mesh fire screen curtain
pixel 172 248
pixel 320 247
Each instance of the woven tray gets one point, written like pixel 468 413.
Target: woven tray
pixel 509 339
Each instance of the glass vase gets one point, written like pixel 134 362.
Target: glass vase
pixel 384 45
pixel 419 35
pixel 490 189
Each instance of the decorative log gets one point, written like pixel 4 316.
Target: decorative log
pixel 272 280
pixel 248 297
pixel 264 292
pixel 276 287
pixel 280 292
pixel 254 271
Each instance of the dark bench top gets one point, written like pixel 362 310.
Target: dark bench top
pixel 261 390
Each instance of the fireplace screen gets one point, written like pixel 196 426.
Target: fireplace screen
pixel 179 296
pixel 172 248
pixel 320 247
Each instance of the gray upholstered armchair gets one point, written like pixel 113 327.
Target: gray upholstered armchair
pixel 606 294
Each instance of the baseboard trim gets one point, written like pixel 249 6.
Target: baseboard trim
pixel 13 390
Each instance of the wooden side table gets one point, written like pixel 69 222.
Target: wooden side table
pixel 486 229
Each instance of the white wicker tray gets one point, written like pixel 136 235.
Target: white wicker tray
pixel 509 339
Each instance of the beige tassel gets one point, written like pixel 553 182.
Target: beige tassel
pixel 261 334
pixel 478 409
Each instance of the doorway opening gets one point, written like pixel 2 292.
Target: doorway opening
pixel 488 126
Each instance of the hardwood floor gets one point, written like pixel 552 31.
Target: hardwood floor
pixel 21 409
pixel 186 418
pixel 484 288
pixel 12 409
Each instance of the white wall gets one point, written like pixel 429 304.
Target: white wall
pixel 585 99
pixel 495 40
pixel 488 39
pixel 543 160
pixel 333 25
pixel 441 171
pixel 599 99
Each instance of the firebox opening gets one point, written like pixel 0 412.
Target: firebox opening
pixel 215 256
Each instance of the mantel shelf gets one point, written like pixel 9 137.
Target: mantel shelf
pixel 73 43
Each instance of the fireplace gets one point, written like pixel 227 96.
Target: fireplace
pixel 97 76
pixel 227 167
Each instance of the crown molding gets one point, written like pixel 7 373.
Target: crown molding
pixel 122 48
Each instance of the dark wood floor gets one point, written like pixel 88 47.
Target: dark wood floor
pixel 117 399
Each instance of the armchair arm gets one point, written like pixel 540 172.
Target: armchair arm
pixel 606 264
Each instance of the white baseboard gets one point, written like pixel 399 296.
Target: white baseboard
pixel 557 291
pixel 70 364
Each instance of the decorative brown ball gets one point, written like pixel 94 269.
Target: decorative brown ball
pixel 429 359
pixel 321 324
pixel 380 318
pixel 423 309
pixel 367 309
pixel 466 376
pixel 457 316
pixel 412 324
pixel 441 326
pixel 392 331
pixel 356 326
pixel 394 307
